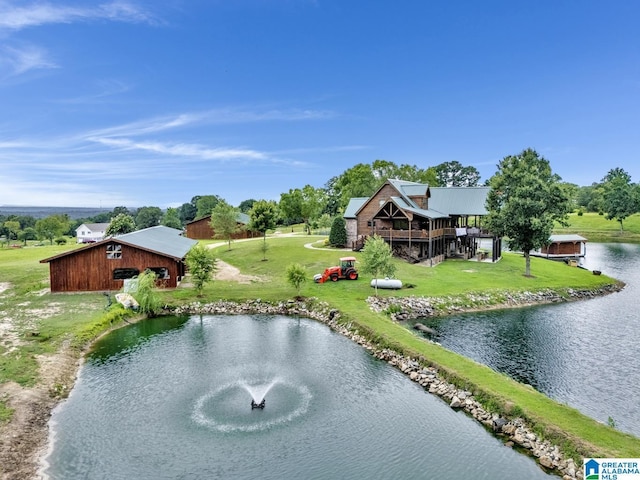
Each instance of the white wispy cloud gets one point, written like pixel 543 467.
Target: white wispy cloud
pixel 104 90
pixel 152 151
pixel 145 127
pixel 225 116
pixel 184 149
pixel 16 61
pixel 16 17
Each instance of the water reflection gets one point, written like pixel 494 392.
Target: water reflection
pixel 582 353
pixel 174 405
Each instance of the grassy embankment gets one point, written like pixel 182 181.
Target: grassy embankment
pixel 596 228
pixel 79 317
pixel 34 322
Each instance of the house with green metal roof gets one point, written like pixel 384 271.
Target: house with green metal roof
pixel 422 222
pixel 105 265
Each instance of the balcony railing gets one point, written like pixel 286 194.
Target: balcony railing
pixel 416 234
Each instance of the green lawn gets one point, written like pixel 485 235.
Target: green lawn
pixel 596 228
pixel 80 317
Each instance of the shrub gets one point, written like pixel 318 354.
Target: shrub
pixel 296 276
pixel 202 265
pixel 60 241
pixel 338 234
pixel 146 295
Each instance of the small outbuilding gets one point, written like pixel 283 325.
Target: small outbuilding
pixel 564 247
pixel 201 229
pixel 105 265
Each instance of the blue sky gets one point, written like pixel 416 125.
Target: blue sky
pixel 151 102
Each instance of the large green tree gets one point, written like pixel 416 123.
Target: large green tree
pixel 148 217
pixel 454 174
pixel 306 203
pixel 357 181
pixel 224 221
pixel 188 210
pixel 385 169
pixel 121 224
pixel 171 218
pixel 246 205
pixel 525 200
pixel 52 226
pixel 263 217
pixel 376 258
pixel 13 227
pixel 618 200
pixel 205 204
pixel 363 179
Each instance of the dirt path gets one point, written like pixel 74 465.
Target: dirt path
pixel 23 440
pixel 231 273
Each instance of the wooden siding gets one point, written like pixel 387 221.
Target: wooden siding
pixel 369 209
pixel 89 269
pixel 563 248
pixel 201 230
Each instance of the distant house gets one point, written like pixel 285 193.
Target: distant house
pixel 200 229
pixel 91 232
pixel 105 265
pixel 422 222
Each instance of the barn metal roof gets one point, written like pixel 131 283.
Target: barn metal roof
pixel 160 239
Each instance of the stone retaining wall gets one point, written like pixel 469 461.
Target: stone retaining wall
pixel 407 308
pixel 514 430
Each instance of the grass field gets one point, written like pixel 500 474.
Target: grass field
pixel 37 322
pixel 596 228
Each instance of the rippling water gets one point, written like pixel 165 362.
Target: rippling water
pixel 585 354
pixel 170 399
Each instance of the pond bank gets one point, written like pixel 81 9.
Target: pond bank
pixel 514 430
pixel 24 439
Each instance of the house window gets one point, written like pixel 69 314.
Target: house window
pixel 114 251
pixel 124 273
pixel 161 272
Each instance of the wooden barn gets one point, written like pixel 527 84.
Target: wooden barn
pixel 105 265
pixel 423 223
pixel 200 229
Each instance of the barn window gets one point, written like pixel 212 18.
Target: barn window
pixel 124 273
pixel 161 272
pixel 114 250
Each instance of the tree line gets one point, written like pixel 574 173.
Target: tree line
pixel 614 196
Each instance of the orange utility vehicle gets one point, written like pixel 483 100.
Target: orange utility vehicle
pixel 346 270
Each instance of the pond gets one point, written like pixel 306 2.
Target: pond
pixel 171 399
pixel 581 353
